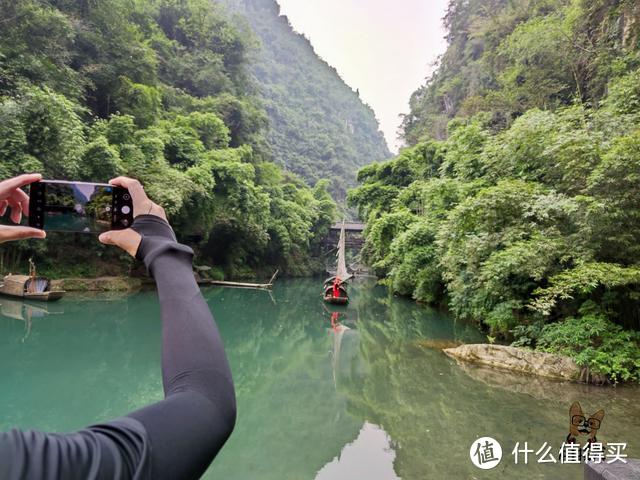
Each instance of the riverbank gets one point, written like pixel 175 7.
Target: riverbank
pixel 99 284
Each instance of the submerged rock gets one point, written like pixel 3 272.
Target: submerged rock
pixel 518 360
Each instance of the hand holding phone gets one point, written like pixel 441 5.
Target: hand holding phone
pixel 63 206
pixel 128 239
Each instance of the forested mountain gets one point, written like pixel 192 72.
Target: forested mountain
pixel 319 127
pixel 517 203
pixel 158 90
pixel 505 57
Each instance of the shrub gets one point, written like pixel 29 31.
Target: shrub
pixel 596 343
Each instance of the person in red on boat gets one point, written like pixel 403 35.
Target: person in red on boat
pixel 336 287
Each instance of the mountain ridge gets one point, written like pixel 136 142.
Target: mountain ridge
pixel 320 127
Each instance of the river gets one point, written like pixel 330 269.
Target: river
pixel 363 395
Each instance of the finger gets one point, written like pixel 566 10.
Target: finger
pixel 134 186
pixel 128 240
pixel 112 237
pixel 22 198
pixel 108 238
pixel 16 210
pixel 7 186
pixel 8 233
pixel 3 207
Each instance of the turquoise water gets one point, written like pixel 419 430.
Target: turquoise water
pixel 362 398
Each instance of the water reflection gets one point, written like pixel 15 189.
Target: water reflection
pixel 370 455
pixel 287 362
pixel 344 348
pixel 27 311
pixel 433 408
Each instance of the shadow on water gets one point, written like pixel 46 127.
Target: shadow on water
pixel 323 393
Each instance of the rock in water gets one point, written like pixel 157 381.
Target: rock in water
pixel 518 359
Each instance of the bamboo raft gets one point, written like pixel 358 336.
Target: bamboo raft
pixel 223 283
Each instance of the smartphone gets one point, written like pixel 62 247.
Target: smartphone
pixel 62 206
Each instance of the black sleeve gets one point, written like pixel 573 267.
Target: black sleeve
pixel 176 438
pixel 188 428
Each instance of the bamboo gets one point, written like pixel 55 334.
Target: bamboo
pixel 239 284
pixel 260 286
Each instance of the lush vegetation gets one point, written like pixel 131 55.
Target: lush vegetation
pixel 320 129
pixel 157 90
pixel 523 212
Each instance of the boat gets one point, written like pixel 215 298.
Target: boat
pixel 24 286
pixel 335 291
pixel 30 287
pixel 335 287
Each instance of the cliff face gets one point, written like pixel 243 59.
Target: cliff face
pixel 506 57
pixel 319 127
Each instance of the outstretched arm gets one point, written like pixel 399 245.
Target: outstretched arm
pixel 188 428
pixel 176 438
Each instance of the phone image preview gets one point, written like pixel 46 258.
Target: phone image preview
pixel 63 206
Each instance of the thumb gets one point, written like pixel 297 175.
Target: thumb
pixel 109 238
pixel 128 240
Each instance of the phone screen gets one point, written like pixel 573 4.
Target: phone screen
pixel 62 206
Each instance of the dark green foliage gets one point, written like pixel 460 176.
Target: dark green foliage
pixel 159 91
pixel 142 102
pixel 524 224
pixel 319 126
pixel 596 343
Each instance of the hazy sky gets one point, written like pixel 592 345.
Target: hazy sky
pixel 384 48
